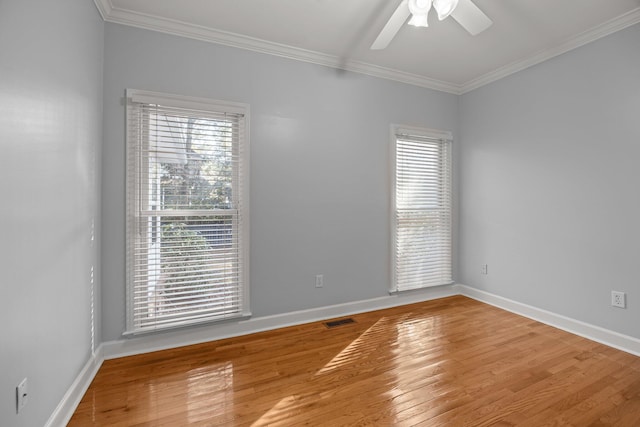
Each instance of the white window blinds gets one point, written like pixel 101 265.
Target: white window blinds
pixel 187 228
pixel 421 205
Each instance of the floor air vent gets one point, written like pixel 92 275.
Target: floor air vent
pixel 335 323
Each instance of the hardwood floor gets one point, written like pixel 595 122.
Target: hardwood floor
pixel 449 362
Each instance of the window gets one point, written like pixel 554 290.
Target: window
pixel 187 222
pixel 421 209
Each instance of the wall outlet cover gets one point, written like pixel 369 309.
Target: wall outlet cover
pixel 21 395
pixel 618 299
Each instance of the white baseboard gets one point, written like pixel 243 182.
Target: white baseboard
pixel 604 336
pixel 149 343
pixel 67 406
pixel 138 345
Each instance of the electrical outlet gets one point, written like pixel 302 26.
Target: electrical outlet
pixel 21 395
pixel 319 280
pixel 484 269
pixel 618 299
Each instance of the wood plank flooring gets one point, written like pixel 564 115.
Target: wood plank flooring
pixel 448 362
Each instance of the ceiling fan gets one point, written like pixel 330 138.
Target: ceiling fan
pixel 468 15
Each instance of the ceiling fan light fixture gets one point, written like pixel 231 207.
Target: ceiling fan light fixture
pixel 419 21
pixel 420 12
pixel 444 7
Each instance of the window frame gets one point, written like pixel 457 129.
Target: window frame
pixel 240 183
pixel 396 131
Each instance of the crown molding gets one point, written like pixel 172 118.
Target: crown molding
pixel 178 28
pixel 401 76
pixel 183 29
pixel 616 24
pixel 104 7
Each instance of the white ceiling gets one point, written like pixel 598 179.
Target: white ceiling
pixel 338 33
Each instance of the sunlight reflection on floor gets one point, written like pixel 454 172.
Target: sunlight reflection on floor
pixel 394 332
pixel 209 391
pixel 359 348
pixel 451 362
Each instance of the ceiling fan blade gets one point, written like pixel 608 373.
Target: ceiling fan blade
pixel 392 26
pixel 471 17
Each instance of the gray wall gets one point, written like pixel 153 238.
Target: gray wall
pixel 549 178
pixel 50 137
pixel 547 173
pixel 319 164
